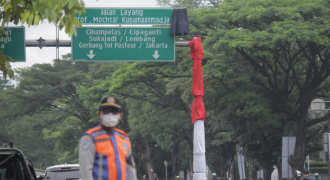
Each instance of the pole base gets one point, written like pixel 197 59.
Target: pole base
pixel 199 176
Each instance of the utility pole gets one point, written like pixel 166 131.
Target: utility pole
pixel 165 163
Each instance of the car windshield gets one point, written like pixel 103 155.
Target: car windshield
pixel 7 152
pixel 63 175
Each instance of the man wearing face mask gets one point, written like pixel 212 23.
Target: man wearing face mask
pixel 105 151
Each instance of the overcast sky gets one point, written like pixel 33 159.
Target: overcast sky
pixel 48 31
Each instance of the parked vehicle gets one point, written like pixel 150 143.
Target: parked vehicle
pixel 14 165
pixel 62 172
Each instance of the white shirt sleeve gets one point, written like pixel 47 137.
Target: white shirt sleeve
pixel 86 157
pixel 131 173
pixel 130 167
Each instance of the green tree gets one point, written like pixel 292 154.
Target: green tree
pixel 45 103
pixel 287 45
pixel 189 3
pixel 149 95
pixel 26 134
pixel 5 86
pixel 31 12
pixel 237 112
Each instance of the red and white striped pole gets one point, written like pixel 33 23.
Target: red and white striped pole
pixel 197 110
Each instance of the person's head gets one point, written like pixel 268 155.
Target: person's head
pixel 144 176
pixel 214 174
pixel 155 175
pixel 110 112
pixel 178 177
pixel 305 172
pixel 316 174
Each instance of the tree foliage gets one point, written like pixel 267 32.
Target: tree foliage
pixel 45 105
pixel 264 62
pixel 31 12
pixel 286 44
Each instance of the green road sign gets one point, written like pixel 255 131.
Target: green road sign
pixel 123 44
pixel 125 16
pixel 14 44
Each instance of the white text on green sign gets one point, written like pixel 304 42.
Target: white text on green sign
pixel 125 16
pixel 123 44
pixel 13 45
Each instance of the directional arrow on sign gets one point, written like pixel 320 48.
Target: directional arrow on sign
pixel 91 55
pixel 156 54
pixel 86 48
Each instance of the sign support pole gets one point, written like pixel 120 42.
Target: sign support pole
pixel 57 40
pixel 67 43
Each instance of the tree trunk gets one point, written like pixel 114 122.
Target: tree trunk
pixel 150 165
pixel 175 160
pixel 145 157
pixel 249 163
pixel 139 168
pixel 279 168
pixel 227 172
pixel 297 160
pixel 268 173
pixel 230 169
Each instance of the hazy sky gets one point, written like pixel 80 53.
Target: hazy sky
pixel 48 31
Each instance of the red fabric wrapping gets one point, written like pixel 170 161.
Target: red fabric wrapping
pixel 196 48
pixel 197 55
pixel 198 85
pixel 197 110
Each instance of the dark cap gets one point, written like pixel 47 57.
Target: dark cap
pixel 305 171
pixel 110 102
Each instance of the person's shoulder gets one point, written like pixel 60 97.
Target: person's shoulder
pixel 85 142
pixel 121 133
pixel 96 128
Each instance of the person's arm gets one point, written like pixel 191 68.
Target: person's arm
pixel 86 157
pixel 130 167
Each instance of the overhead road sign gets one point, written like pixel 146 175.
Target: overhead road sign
pixel 137 16
pixel 123 44
pixel 14 44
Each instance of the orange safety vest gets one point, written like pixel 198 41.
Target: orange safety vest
pixel 113 153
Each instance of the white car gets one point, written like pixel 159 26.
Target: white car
pixel 62 172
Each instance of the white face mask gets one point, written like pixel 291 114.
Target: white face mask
pixel 110 120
